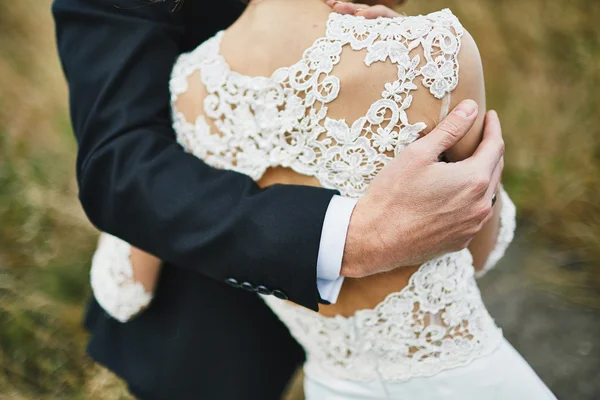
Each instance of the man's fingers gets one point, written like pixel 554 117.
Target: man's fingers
pixel 495 180
pixel 345 8
pixel 451 130
pixel 493 188
pixel 377 11
pixel 491 149
pixel 364 10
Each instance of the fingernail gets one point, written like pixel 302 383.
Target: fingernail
pixel 466 108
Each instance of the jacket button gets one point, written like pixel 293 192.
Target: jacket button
pixel 263 290
pixel 280 295
pixel 248 286
pixel 232 282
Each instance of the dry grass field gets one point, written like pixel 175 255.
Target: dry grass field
pixel 542 65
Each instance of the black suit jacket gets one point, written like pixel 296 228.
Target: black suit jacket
pixel 210 226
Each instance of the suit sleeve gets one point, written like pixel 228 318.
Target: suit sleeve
pixel 137 183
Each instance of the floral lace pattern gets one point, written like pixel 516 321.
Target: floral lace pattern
pixel 282 120
pixel 113 282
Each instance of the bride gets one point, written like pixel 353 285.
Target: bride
pixel 330 103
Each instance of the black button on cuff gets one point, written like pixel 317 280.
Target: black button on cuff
pixel 248 286
pixel 232 282
pixel 280 295
pixel 263 290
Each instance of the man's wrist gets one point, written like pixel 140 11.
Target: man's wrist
pixel 355 260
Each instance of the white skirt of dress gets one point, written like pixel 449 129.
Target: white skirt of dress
pixel 502 375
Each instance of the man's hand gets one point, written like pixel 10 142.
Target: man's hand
pixel 373 8
pixel 418 207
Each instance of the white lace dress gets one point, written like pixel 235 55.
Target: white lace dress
pixel 434 338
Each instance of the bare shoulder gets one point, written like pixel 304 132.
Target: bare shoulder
pixel 471 85
pixel 470 75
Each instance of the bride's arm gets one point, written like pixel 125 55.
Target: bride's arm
pixel 123 277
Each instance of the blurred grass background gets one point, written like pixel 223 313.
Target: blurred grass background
pixel 542 64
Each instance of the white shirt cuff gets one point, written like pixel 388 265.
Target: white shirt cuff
pixel 331 247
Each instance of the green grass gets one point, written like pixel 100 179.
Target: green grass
pixel 542 65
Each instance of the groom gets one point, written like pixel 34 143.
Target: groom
pixel 207 335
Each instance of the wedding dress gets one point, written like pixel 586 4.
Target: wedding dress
pixel 434 338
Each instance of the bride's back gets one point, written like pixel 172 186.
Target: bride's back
pixel 332 115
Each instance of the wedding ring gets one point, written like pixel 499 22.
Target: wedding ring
pixel 493 199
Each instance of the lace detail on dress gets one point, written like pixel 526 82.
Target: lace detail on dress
pixel 438 321
pixel 282 120
pixel 112 279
